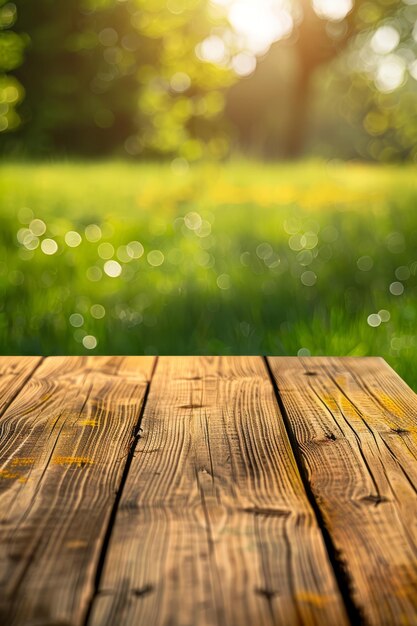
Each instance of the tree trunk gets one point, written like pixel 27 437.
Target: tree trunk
pixel 298 114
pixel 314 47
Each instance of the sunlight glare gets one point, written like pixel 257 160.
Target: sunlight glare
pixel 259 23
pixel 334 10
pixel 212 49
pixel 385 39
pixel 390 73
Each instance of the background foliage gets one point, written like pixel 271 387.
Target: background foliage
pixel 193 78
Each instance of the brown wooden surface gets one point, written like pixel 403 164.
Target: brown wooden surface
pixel 355 423
pixel 14 373
pixel 206 491
pixel 214 525
pixel 67 437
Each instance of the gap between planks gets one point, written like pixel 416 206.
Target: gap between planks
pixel 315 598
pixel 113 514
pixel 342 578
pixel 55 516
pixel 355 425
pixel 304 446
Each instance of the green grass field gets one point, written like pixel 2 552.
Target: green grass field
pixel 238 258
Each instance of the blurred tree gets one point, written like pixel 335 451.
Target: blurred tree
pixel 323 31
pixel 152 77
pixel 106 75
pixel 180 96
pixel 79 79
pixel 11 56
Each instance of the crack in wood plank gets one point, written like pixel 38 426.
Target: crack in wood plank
pixel 54 523
pixel 216 520
pixel 364 482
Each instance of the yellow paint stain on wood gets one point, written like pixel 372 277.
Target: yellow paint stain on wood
pixel 348 408
pixel 22 461
pixel 89 423
pixel 314 599
pixel 5 473
pixel 330 402
pixel 79 461
pixel 390 404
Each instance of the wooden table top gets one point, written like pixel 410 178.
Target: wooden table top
pixel 200 491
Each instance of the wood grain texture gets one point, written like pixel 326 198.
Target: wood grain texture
pixel 14 373
pixel 355 422
pixel 62 454
pixel 214 526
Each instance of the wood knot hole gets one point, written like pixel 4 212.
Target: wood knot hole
pixel 269 594
pixel 400 431
pixel 191 406
pixel 374 499
pixel 143 591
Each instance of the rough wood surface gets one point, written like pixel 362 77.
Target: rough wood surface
pixel 214 526
pixel 355 422
pixel 63 449
pixel 202 517
pixel 14 372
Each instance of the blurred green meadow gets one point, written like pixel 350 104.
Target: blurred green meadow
pixel 234 258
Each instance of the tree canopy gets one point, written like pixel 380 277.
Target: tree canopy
pixel 183 78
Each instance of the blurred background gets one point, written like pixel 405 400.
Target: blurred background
pixel 209 176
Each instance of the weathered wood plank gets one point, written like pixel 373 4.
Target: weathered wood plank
pixel 14 372
pixel 214 526
pixel 68 435
pixel 355 422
